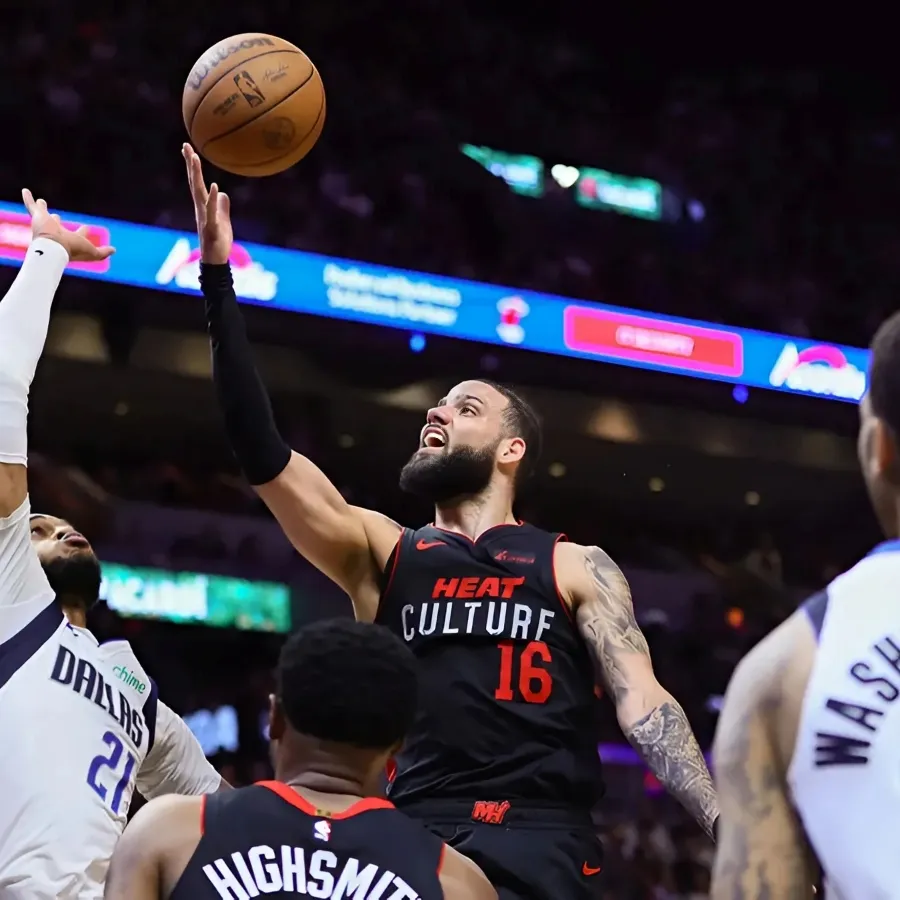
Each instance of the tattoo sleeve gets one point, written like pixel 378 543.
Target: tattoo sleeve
pixel 651 719
pixel 761 850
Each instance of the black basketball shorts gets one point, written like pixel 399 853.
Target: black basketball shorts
pixel 527 852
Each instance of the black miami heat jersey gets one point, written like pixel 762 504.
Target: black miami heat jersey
pixel 268 840
pixel 507 708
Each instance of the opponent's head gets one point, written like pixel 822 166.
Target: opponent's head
pixel 879 432
pixel 480 434
pixel 345 697
pixel 68 560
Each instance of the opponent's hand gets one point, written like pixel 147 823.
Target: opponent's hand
pixel 47 225
pixel 212 210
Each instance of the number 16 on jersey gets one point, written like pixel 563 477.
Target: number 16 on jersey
pixel 533 683
pixel 122 769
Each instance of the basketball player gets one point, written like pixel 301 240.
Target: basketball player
pixel 81 723
pixel 808 739
pixel 506 619
pixel 346 696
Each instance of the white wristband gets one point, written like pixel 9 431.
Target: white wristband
pixel 24 320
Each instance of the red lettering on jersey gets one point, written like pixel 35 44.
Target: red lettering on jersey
pixel 509 585
pixel 445 587
pixel 489 587
pixel 491 812
pixel 466 588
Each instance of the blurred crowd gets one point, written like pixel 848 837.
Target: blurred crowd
pixel 794 172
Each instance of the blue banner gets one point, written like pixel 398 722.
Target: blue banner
pixel 167 260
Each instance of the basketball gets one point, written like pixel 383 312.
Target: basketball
pixel 254 105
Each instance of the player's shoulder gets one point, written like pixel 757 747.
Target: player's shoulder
pixel 382 534
pixel 857 601
pixel 583 570
pixel 165 822
pixel 763 669
pixel 461 878
pixel 877 572
pixel 84 635
pixel 769 683
pixel 582 557
pixel 378 525
pixel 120 653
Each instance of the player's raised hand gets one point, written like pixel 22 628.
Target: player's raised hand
pixel 212 209
pixel 48 225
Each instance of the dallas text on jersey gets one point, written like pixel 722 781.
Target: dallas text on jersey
pixel 84 679
pixel 880 675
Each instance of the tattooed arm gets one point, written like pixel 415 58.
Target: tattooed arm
pixel 650 717
pixel 762 851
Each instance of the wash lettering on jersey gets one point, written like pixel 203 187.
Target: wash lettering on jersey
pixel 859 713
pixel 321 874
pixel 481 606
pixel 83 677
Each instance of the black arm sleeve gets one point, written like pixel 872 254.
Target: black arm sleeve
pixel 249 423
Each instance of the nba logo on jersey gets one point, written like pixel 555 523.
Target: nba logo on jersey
pixel 322 831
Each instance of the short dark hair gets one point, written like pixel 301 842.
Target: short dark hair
pixel 884 373
pixel 348 682
pixel 522 421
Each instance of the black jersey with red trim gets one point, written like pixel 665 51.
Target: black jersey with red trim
pixel 507 707
pixel 267 840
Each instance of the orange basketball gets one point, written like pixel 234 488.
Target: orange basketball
pixel 254 105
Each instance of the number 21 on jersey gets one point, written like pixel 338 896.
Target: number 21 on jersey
pixel 522 677
pixel 121 769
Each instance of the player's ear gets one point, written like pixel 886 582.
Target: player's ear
pixel 276 719
pixel 885 447
pixel 512 450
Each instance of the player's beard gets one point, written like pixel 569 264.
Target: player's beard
pixel 455 473
pixel 75 577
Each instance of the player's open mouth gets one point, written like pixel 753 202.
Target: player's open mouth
pixel 433 437
pixel 76 539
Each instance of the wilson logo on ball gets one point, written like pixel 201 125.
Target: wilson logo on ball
pixel 219 54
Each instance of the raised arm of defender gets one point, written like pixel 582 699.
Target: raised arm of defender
pixel 348 544
pixel 24 320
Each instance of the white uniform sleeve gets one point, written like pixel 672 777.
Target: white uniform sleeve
pixel 24 319
pixel 24 589
pixel 176 763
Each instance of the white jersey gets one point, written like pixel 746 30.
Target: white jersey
pixel 81 727
pixel 845 772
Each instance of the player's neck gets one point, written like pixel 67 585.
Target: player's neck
pixel 475 515
pixel 323 767
pixel 325 790
pixel 75 614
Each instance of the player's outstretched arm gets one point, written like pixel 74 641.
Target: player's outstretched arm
pixel 24 320
pixel 348 544
pixel 761 849
pixel 650 717
pixel 461 879
pixel 155 848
